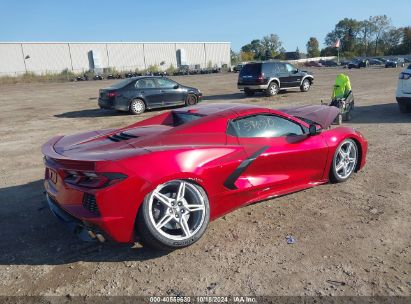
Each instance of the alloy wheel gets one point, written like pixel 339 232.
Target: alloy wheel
pixel 177 210
pixel 346 159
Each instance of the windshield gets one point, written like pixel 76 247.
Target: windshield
pixel 180 118
pixel 120 84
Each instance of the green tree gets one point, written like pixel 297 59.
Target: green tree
pixel 347 30
pixel 313 48
pixel 381 24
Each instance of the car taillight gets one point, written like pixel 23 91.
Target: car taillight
pixel 111 94
pixel 93 180
pixel 260 78
pixel 405 76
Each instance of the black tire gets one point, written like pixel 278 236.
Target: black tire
pixel 191 100
pixel 248 92
pixel 305 85
pixel 348 116
pixel 334 176
pixel 137 106
pixel 272 89
pixel 150 237
pixel 403 108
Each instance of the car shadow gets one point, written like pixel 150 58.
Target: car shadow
pixel 379 113
pixel 238 95
pixel 31 235
pixel 90 113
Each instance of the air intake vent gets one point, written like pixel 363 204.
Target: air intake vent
pixel 89 203
pixel 121 136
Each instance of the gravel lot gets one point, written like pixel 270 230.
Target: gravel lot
pixel 352 238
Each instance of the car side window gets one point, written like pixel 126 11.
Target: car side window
pixel 165 83
pixel 290 68
pixel 281 67
pixel 263 125
pixel 145 83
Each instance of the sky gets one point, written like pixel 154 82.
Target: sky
pixel 235 21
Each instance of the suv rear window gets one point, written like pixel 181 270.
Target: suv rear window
pixel 251 69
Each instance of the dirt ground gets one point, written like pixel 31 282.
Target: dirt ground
pixel 352 238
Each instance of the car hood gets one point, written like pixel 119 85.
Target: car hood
pixel 321 114
pixel 108 144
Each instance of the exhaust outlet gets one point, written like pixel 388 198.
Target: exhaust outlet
pixel 100 237
pixel 92 234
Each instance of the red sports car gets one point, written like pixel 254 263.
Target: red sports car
pixel 161 180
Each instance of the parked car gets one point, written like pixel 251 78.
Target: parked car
pixel 329 63
pixel 395 63
pixel 358 63
pixel 238 68
pixel 374 61
pixel 163 179
pixel 137 94
pixel 98 77
pixel 404 90
pixel 313 64
pixel 271 77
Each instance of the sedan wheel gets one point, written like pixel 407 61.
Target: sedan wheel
pixel 137 106
pixel 174 215
pixel 191 100
pixel 344 161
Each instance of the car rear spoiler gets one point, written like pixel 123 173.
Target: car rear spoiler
pixel 320 114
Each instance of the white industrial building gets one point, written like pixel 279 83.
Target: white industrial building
pixel 53 57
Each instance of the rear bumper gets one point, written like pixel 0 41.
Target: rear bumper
pixel 81 229
pixel 116 104
pixel 252 86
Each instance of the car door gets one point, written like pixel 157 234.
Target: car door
pixel 282 74
pixel 172 92
pixel 148 90
pixel 282 157
pixel 294 76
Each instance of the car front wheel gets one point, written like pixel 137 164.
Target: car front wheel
pixel 191 100
pixel 305 86
pixel 174 215
pixel 344 161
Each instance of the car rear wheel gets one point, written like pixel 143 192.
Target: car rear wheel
pixel 137 106
pixel 191 100
pixel 305 86
pixel 272 89
pixel 248 92
pixel 344 161
pixel 174 215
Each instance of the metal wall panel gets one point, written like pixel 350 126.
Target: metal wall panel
pixel 126 56
pixel 194 53
pixel 11 59
pixel 156 53
pixel 55 57
pixel 218 53
pixel 80 57
pixel 50 57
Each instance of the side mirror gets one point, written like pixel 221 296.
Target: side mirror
pixel 295 71
pixel 312 130
pixel 176 86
